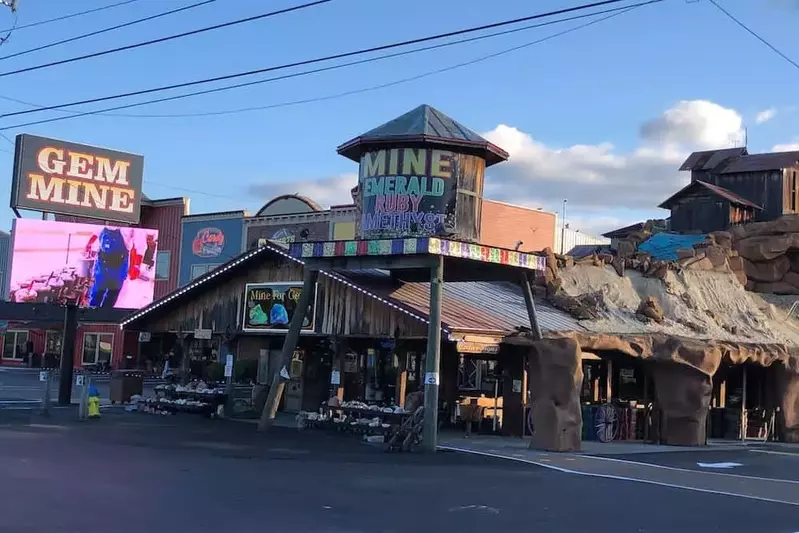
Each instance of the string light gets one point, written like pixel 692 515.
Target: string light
pixel 249 255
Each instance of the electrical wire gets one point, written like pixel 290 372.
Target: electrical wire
pixel 4 40
pixel 163 39
pixel 754 34
pixel 284 66
pixel 343 65
pixel 73 15
pixel 613 13
pixel 106 30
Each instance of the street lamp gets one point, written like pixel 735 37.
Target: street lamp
pixel 563 228
pixel 12 4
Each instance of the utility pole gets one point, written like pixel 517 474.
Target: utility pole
pixel 432 360
pixel 68 354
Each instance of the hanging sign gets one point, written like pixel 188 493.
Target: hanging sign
pixel 203 334
pixel 270 306
pixel 476 347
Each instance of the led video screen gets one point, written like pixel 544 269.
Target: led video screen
pixel 89 264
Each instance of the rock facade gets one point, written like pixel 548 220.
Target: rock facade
pixel 769 252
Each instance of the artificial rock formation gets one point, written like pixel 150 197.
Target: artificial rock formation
pixel 769 252
pixel 715 253
pixel 788 390
pixel 556 375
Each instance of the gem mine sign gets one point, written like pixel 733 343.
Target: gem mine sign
pixel 81 179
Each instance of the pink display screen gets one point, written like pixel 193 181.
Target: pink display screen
pixel 88 264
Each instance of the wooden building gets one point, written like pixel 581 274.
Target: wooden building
pixel 732 186
pixel 702 207
pixel 368 323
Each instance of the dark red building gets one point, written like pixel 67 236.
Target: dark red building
pixel 99 337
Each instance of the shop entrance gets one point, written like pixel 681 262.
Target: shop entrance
pixel 744 404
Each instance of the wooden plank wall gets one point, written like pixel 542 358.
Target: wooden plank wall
pixel 219 307
pixel 340 310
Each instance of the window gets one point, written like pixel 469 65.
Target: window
pixel 52 343
pixel 97 348
pixel 200 270
pixel 14 344
pixel 162 265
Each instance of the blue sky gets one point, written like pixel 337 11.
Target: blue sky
pixel 572 108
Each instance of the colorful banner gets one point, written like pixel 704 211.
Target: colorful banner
pixel 270 306
pixel 411 192
pixel 75 179
pixel 88 264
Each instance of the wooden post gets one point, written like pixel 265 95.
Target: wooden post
pixel 289 345
pixel 527 290
pixel 744 421
pixel 432 362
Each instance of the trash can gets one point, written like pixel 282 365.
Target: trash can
pixel 125 384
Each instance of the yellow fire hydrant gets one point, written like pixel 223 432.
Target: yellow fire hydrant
pixel 93 406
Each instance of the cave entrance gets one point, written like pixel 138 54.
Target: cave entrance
pixel 616 397
pixel 744 403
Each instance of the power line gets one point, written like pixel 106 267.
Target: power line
pixel 754 34
pixel 399 81
pixel 106 30
pixel 313 61
pixel 65 17
pixel 612 13
pixel 343 65
pixel 163 39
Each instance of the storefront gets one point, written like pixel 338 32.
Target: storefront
pixel 33 334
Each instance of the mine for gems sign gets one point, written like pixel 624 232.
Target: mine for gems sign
pixel 408 192
pixel 270 306
pixel 74 179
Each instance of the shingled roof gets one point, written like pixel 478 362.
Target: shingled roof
pixel 714 189
pixel 710 159
pixel 423 124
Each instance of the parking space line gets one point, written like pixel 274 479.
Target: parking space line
pixel 623 478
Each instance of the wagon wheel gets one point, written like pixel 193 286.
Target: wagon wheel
pixel 530 421
pixel 606 423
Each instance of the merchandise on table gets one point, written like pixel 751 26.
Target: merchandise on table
pixel 196 397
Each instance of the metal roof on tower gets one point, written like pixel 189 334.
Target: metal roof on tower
pixel 424 124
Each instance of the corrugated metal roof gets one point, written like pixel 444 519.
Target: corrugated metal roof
pixel 664 246
pixel 759 163
pixel 424 124
pixel 584 250
pixel 710 159
pixel 423 120
pixel 468 306
pixel 626 230
pixel 715 189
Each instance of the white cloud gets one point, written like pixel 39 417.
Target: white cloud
pixel 764 116
pixel 788 147
pixel 328 191
pixel 695 123
pixel 605 187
